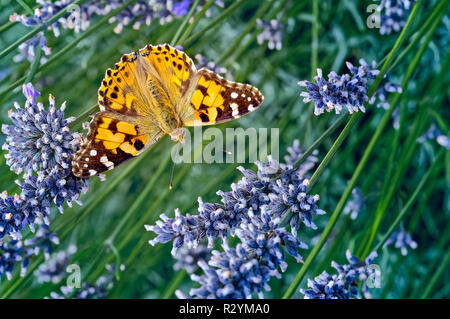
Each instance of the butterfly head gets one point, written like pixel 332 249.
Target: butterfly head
pixel 177 135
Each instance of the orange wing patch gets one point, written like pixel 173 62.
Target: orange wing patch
pixel 116 92
pixel 216 100
pixel 110 142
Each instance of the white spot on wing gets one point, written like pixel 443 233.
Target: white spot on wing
pixel 108 164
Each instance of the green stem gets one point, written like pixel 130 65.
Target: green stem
pixel 214 23
pixel 139 200
pixel 329 156
pixel 26 7
pixel 314 37
pixel 183 24
pixel 227 54
pixel 424 28
pixel 411 200
pixel 35 65
pixel 84 116
pixel 98 199
pixel 437 274
pixel 6 26
pixel 173 285
pixel 197 19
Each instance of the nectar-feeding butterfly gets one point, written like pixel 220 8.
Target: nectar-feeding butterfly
pixel 150 93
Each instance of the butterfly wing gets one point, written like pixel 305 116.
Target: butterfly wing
pixel 122 90
pixel 213 100
pixel 173 69
pixel 113 139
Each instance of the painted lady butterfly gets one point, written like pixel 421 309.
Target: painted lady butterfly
pixel 150 93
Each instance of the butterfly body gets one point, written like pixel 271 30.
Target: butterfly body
pixel 154 92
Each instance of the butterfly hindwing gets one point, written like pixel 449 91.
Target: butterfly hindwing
pixel 112 140
pixel 216 100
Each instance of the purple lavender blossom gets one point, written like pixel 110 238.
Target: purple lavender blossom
pixel 211 222
pixel 78 18
pixel 281 188
pixel 54 270
pixel 295 152
pixel 271 32
pixel 340 91
pixel 43 241
pixel 401 240
pixel 432 133
pixel 38 139
pixel 11 215
pixel 246 270
pixel 326 286
pixel 57 186
pixel 291 194
pixel 444 141
pixel 99 290
pixel 43 14
pixel 203 62
pixel 252 212
pixel 393 14
pixel 40 144
pixel 382 93
pixel 27 50
pixel 365 271
pixel 13 251
pixel 349 90
pixel 355 204
pixel 344 284
pixel 181 8
pixel 188 258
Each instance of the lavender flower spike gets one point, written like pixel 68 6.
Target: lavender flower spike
pixel 344 284
pixel 401 240
pixel 38 139
pixel 181 229
pixel 11 215
pixel 348 90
